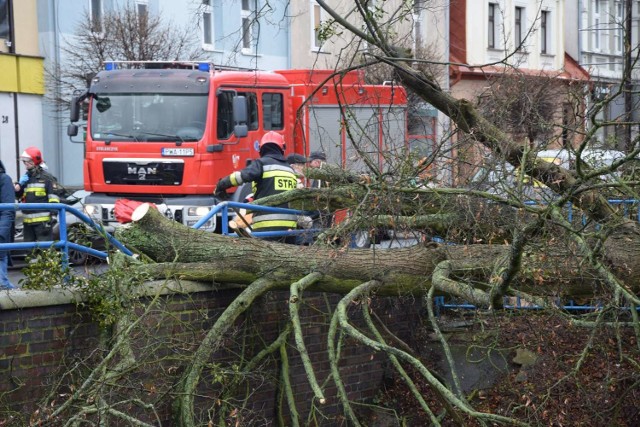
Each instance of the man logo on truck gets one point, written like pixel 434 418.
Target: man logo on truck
pixel 142 172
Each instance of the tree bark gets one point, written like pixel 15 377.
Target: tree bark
pixel 185 253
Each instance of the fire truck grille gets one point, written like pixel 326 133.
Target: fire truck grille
pixel 152 173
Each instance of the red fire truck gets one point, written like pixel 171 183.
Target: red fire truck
pixel 167 132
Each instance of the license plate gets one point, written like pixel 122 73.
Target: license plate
pixel 178 151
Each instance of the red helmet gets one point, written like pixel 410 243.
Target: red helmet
pixel 33 154
pixel 272 137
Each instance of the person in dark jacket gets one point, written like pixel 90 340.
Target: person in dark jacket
pixel 39 188
pixel 7 195
pixel 270 175
pixel 317 159
pixel 298 163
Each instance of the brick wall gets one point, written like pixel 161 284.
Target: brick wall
pixel 44 334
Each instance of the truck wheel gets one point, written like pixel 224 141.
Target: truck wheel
pixel 77 258
pixel 77 235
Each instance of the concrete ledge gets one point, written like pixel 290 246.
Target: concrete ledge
pixel 19 298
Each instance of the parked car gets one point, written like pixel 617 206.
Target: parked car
pixel 502 179
pixel 594 157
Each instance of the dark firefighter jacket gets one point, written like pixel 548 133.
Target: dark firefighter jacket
pixel 38 189
pixel 270 174
pixel 6 216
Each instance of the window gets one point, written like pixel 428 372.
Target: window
pixel 419 12
pixel 96 16
pixel 272 111
pixel 225 122
pixel 596 26
pixel 568 123
pixel 618 32
pixel 5 31
pixel 141 10
pixel 207 24
pixel 252 109
pixel 247 25
pixel 316 25
pixel 148 116
pixel 225 114
pixel 544 31
pixel 493 8
pixel 519 20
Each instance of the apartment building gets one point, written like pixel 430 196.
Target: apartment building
pixel 21 81
pixel 596 32
pixel 504 48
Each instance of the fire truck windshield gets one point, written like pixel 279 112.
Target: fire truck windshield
pixel 148 117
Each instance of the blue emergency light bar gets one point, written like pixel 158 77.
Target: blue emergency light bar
pixel 115 65
pixel 192 65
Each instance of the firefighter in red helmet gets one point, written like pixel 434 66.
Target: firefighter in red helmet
pixel 270 174
pixel 37 188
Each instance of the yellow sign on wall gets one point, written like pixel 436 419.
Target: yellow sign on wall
pixel 21 74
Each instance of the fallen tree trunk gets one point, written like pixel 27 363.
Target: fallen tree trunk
pixel 185 253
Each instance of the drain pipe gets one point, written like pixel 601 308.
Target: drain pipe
pixel 56 50
pixel 446 125
pixel 12 51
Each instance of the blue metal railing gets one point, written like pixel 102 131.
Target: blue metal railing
pixel 63 242
pixel 440 303
pixel 223 210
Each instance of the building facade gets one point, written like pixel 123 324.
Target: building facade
pixel 571 40
pixel 501 49
pixel 21 82
pixel 597 34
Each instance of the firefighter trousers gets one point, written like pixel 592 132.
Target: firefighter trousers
pixel 38 232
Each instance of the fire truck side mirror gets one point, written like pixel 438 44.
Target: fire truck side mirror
pixel 72 129
pixel 241 131
pixel 240 109
pixel 240 116
pixel 74 110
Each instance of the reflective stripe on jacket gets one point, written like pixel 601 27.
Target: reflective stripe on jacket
pixel 276 179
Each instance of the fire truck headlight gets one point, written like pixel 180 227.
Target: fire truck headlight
pixel 198 211
pixel 91 210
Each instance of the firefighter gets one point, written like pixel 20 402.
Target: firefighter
pixel 38 188
pixel 270 174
